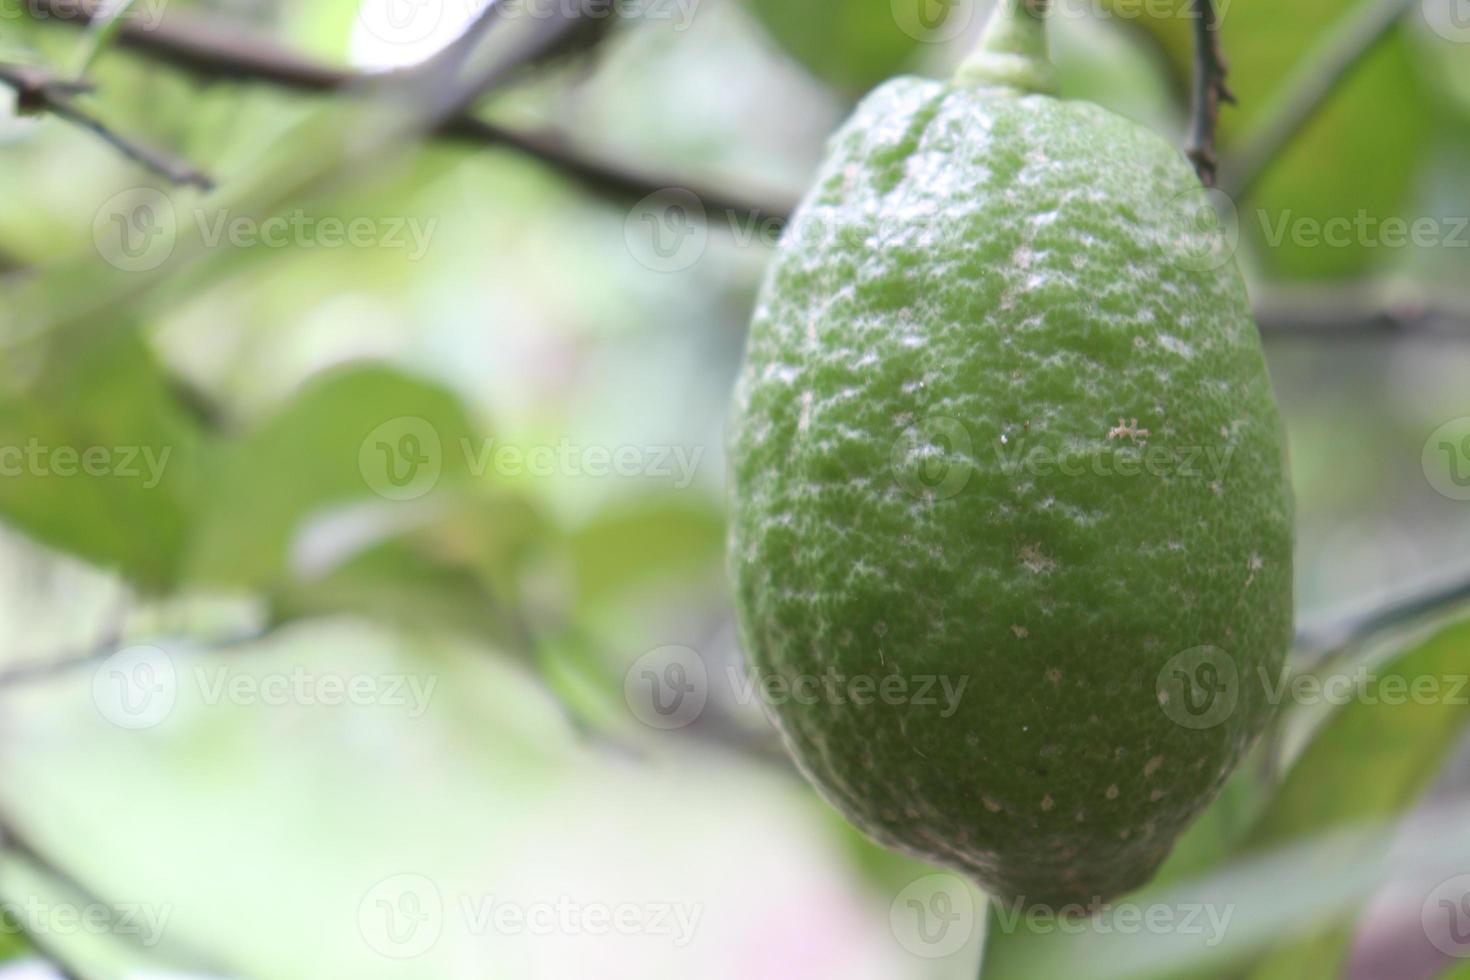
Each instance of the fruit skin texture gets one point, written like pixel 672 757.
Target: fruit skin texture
pixel 937 478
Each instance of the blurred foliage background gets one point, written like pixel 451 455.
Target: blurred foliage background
pixel 557 348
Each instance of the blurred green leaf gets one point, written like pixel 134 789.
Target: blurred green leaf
pixel 654 538
pixel 362 434
pixel 1374 758
pixel 97 458
pixel 850 46
pixel 455 573
pixel 99 34
pixel 1359 155
pixel 13 945
pixel 1307 864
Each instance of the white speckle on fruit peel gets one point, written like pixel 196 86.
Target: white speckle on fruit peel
pixel 1256 564
pixel 1036 561
pixel 1021 632
pixel 806 411
pixel 1175 345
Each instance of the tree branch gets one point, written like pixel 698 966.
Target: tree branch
pixel 216 52
pixel 1210 89
pixel 37 91
pixel 1343 50
pixel 1365 313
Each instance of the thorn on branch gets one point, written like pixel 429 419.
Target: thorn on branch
pixel 1210 89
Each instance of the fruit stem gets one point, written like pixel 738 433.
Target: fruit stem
pixel 1013 51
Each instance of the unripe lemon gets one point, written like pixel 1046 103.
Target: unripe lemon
pixel 1011 527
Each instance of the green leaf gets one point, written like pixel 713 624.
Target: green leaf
pixel 364 434
pixel 1374 758
pixel 100 34
pixel 651 539
pixel 453 573
pixel 851 46
pixel 1361 153
pixel 98 458
pixel 1308 862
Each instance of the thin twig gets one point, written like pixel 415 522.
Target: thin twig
pixel 1310 87
pixel 210 50
pixel 1354 630
pixel 37 91
pixel 56 666
pixel 18 843
pixel 1368 313
pixel 1210 89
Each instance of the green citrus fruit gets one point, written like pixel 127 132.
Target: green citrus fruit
pixel 852 46
pixel 1011 530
